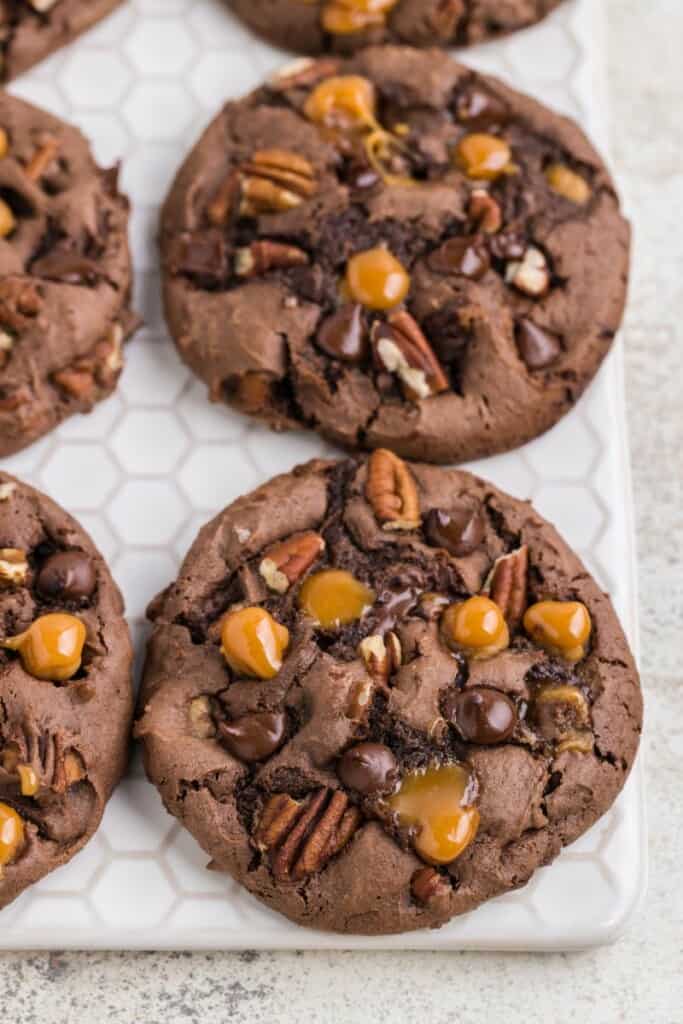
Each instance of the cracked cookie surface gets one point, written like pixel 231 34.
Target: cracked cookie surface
pixel 395 251
pixel 379 694
pixel 30 30
pixel 66 696
pixel 65 275
pixel 343 26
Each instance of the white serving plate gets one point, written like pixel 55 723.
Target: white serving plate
pixel 155 461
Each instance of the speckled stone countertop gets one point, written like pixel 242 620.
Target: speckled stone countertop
pixel 639 979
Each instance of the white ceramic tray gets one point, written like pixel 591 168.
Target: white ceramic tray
pixel 151 464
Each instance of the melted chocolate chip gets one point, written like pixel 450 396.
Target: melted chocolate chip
pixel 537 347
pixel 202 254
pixel 467 256
pixel 343 335
pixel 478 108
pixel 68 575
pixel 254 737
pixel 481 715
pixel 67 268
pixel 460 531
pixel 368 768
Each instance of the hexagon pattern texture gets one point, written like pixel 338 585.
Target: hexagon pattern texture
pixel 151 464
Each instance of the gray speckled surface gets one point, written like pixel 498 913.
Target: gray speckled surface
pixel 639 978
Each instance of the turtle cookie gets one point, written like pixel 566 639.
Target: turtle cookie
pixel 379 694
pixel 395 251
pixel 344 26
pixel 65 275
pixel 32 29
pixel 65 687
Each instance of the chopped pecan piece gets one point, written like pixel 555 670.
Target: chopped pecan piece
pixel 264 255
pixel 392 492
pixel 202 724
pixel 225 200
pixel 401 348
pixel 484 212
pixel 301 836
pixel 426 884
pixel 19 302
pixel 529 275
pixel 49 148
pixel 13 566
pixel 304 72
pixel 381 655
pixel 15 399
pixel 6 346
pixel 507 585
pixel 286 562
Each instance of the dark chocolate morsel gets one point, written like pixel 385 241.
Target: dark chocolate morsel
pixel 460 531
pixel 537 347
pixel 467 256
pixel 66 267
pixel 478 108
pixel 481 715
pixel 68 575
pixel 368 768
pixel 254 737
pixel 343 335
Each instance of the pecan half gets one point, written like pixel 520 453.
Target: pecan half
pixel 264 255
pixel 301 836
pixel 401 348
pixel 381 655
pixel 286 562
pixel 13 566
pixel 507 585
pixel 391 490
pixel 275 180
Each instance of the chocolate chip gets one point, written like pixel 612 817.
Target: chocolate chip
pixel 467 256
pixel 67 268
pixel 68 575
pixel 481 715
pixel 254 737
pixel 537 347
pixel 202 254
pixel 344 336
pixel 460 531
pixel 478 108
pixel 368 768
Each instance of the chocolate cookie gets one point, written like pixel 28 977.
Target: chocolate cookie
pixel 398 252
pixel 65 275
pixel 343 26
pixel 379 694
pixel 32 29
pixel 65 687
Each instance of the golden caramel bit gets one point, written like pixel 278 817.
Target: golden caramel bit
pixel 437 802
pixel 568 183
pixel 376 279
pixel 253 643
pixel 335 598
pixel 483 157
pixel 52 647
pixel 344 17
pixel 28 780
pixel 561 627
pixel 7 221
pixel 343 102
pixel 11 834
pixel 476 626
pixel 4 143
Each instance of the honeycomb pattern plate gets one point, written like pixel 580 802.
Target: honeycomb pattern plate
pixel 155 461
